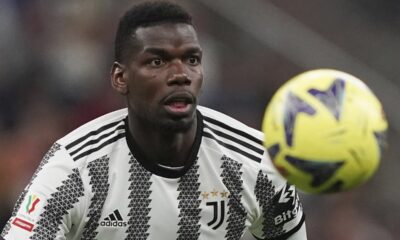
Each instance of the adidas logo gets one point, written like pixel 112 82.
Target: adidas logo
pixel 113 220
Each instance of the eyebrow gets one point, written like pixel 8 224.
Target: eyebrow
pixel 163 53
pixel 156 51
pixel 193 50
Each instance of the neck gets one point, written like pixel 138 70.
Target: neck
pixel 167 147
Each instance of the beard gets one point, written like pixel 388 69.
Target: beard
pixel 164 123
pixel 176 126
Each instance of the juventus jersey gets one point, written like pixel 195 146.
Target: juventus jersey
pixel 95 183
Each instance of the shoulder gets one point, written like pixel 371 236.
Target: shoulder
pixel 95 134
pixel 214 117
pixel 241 143
pixel 236 139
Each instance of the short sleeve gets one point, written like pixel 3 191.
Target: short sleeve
pixel 43 210
pixel 281 211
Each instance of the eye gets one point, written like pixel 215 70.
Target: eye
pixel 156 62
pixel 193 60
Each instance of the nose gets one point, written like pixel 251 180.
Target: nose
pixel 178 75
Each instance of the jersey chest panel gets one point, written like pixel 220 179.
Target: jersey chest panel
pixel 206 203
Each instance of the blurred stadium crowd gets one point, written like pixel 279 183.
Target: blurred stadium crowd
pixel 54 76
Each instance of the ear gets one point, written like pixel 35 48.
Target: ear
pixel 118 79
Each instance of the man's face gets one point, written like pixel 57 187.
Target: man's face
pixel 164 76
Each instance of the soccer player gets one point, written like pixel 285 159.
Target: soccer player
pixel 164 167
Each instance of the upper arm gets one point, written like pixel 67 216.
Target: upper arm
pixel 280 213
pixel 44 209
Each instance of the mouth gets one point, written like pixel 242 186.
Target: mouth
pixel 180 103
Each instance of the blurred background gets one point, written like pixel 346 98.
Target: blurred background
pixel 55 58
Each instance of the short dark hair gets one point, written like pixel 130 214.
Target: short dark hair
pixel 143 15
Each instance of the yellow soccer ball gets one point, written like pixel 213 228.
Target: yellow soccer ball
pixel 325 131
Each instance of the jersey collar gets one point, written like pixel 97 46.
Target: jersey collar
pixel 160 170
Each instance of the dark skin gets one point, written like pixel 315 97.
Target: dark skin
pixel 161 81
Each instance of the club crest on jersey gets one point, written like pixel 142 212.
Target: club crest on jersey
pixel 216 202
pixel 287 205
pixel 30 206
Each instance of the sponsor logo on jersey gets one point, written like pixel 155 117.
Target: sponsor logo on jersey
pixel 30 206
pixel 113 220
pixel 287 205
pixel 23 224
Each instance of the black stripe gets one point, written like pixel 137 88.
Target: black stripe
pixel 189 205
pixel 233 148
pixel 95 132
pixel 112 217
pixel 94 141
pixel 232 178
pixel 235 130
pixel 238 141
pixel 264 192
pixel 116 212
pixel 111 140
pixel 98 173
pixel 58 205
pixel 139 204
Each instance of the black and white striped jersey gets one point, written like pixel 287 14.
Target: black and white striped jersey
pixel 95 183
